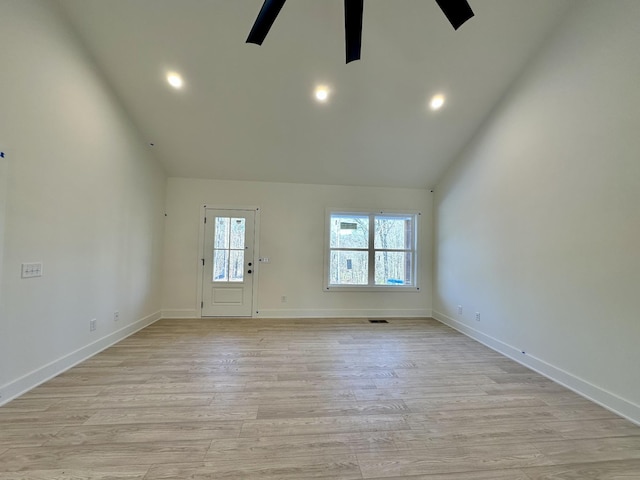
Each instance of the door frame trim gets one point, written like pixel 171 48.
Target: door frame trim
pixel 256 254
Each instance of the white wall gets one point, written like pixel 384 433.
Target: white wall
pixel 292 236
pixel 4 177
pixel 538 222
pixel 82 196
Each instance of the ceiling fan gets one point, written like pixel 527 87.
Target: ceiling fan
pixel 456 11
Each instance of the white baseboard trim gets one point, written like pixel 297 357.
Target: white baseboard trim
pixel 344 313
pixel 604 398
pixel 32 379
pixel 176 313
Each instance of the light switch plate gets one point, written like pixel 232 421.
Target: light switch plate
pixel 33 269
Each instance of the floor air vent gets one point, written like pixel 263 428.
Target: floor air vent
pixel 378 321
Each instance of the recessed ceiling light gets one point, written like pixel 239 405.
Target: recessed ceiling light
pixel 322 93
pixel 437 101
pixel 175 80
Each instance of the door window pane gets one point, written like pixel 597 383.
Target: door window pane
pixel 221 265
pixel 349 231
pixel 237 233
pixel 236 266
pixel 221 238
pixel 393 268
pixel 349 268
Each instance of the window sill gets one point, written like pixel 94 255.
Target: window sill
pixel 377 288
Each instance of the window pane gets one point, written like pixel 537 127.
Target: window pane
pixel 394 233
pixel 221 237
pixel 349 268
pixel 237 232
pixel 349 231
pixel 221 265
pixel 236 266
pixel 393 268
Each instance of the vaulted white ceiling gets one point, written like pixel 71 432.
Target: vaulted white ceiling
pixel 248 113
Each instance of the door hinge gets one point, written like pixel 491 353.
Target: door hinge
pixel 205 219
pixel 203 262
pixel 201 304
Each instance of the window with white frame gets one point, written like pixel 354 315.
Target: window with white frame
pixel 371 250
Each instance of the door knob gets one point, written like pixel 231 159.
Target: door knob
pixel 250 264
pixel 248 271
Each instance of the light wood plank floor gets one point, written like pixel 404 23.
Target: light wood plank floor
pixel 299 399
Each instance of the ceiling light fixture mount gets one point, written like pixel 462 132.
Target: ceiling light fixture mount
pixel 456 11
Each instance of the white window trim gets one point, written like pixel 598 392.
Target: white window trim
pixel 371 288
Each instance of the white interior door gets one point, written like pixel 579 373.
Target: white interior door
pixel 227 283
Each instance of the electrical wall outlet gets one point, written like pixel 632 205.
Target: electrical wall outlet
pixel 116 316
pixel 264 260
pixel 477 316
pixel 92 325
pixel 459 309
